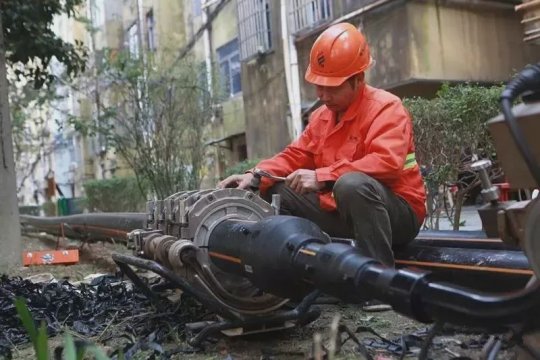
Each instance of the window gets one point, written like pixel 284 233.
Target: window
pixel 97 8
pixel 306 14
pixel 253 27
pixel 150 31
pixel 229 66
pixel 133 41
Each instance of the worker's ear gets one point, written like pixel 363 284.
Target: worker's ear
pixel 356 80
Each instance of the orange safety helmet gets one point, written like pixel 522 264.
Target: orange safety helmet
pixel 340 52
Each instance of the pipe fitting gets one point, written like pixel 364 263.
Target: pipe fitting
pixel 149 245
pixel 490 193
pixel 164 243
pixel 177 249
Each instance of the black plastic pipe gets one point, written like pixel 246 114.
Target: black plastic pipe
pixel 91 226
pixel 288 255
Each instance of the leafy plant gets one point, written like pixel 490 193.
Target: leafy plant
pixel 241 167
pixel 31 121
pixel 119 194
pixel 154 118
pixel 72 352
pixel 450 133
pixel 32 43
pixel 38 337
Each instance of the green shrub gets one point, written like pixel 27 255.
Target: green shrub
pixel 241 167
pixel 115 195
pixel 450 132
pixel 29 210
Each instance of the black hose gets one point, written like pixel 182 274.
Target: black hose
pixel 460 305
pixel 527 80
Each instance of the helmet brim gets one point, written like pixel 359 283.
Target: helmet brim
pixel 315 79
pixel 321 80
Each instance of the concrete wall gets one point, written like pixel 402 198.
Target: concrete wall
pixel 466 43
pixel 265 101
pixel 224 29
pixel 418 45
pixel 229 124
pixel 192 23
pixel 303 48
pixel 109 30
pixel 386 31
pixel 170 30
pixel 344 7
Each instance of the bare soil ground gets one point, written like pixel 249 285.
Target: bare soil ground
pixel 294 343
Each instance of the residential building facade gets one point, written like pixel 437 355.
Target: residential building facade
pixel 219 48
pixel 255 54
pixel 417 46
pixel 137 26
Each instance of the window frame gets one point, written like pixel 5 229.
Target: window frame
pixel 254 28
pixel 132 33
pixel 305 15
pixel 150 22
pixel 225 55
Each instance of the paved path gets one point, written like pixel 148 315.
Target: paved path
pixel 470 217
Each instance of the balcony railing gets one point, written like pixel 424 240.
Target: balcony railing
pixel 308 14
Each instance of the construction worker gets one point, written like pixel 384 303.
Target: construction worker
pixel 353 169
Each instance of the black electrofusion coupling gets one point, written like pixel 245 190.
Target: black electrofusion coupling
pixel 290 256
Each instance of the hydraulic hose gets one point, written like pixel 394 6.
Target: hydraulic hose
pixel 527 80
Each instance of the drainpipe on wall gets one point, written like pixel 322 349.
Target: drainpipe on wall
pixel 98 141
pixel 207 44
pixel 290 60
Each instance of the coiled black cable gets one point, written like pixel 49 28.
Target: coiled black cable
pixel 527 80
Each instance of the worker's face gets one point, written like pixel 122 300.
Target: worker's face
pixel 339 98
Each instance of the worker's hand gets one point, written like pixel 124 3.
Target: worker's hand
pixel 239 181
pixel 303 181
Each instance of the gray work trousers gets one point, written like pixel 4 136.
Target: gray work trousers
pixel 367 211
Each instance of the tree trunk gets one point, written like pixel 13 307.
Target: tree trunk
pixel 10 236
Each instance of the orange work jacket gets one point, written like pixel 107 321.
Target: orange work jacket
pixel 374 136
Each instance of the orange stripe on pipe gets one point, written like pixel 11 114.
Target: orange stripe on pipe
pixel 486 240
pixel 90 227
pixel 466 267
pixel 307 252
pixel 100 228
pixel 225 257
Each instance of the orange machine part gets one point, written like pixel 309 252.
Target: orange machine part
pixel 50 257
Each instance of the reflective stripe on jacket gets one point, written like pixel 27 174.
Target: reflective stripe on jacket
pixel 374 136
